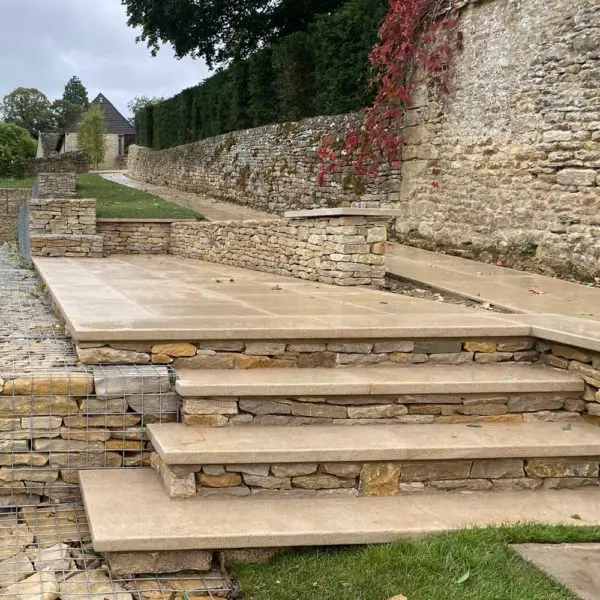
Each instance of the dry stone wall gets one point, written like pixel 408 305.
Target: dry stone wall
pixel 271 168
pixel 337 250
pixel 55 185
pixel 135 236
pixel 349 480
pixel 10 204
pixel 517 140
pixel 70 162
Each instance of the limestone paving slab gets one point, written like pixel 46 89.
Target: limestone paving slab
pixel 576 566
pixel 179 444
pixel 129 511
pixel 511 289
pixel 136 298
pixel 413 379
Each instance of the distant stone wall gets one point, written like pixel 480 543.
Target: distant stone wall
pixel 55 185
pixel 135 236
pixel 70 162
pixel 10 203
pixel 517 141
pixel 272 168
pixel 338 250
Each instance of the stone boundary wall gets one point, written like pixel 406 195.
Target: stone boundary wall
pixel 55 185
pixel 69 162
pixel 338 250
pixel 135 236
pixel 507 163
pixel 516 142
pixel 348 480
pixel 272 168
pixel 55 424
pixel 10 204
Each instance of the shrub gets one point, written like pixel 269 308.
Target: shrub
pixel 90 135
pixel 16 147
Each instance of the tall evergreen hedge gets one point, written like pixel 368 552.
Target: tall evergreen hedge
pixel 321 71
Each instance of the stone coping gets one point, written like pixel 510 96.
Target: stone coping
pixel 128 510
pixel 319 213
pixel 121 220
pixel 179 444
pixel 414 379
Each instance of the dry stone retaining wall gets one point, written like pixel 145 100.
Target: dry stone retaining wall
pixel 516 142
pixel 70 162
pixel 337 250
pixel 135 236
pixel 272 168
pixel 342 479
pixel 55 185
pixel 10 204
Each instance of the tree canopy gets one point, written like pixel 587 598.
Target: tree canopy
pixel 90 135
pixel 28 108
pixel 76 93
pixel 16 146
pixel 220 30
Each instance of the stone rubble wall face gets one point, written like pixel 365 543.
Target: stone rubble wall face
pixel 344 479
pixel 337 250
pixel 135 238
pixel 272 168
pixel 56 185
pixel 70 162
pixel 10 204
pixel 517 140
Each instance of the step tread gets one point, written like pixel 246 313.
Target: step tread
pixel 418 379
pixel 129 511
pixel 180 444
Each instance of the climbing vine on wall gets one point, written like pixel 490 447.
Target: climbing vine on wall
pixel 415 35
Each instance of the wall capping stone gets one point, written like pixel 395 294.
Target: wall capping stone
pixel 133 220
pixel 315 213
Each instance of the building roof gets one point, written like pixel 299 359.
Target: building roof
pixel 49 142
pixel 114 121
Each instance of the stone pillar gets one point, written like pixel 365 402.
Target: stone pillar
pixel 55 185
pixel 351 243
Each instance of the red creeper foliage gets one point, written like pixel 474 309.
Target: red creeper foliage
pixel 415 34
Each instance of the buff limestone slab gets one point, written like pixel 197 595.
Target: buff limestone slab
pixel 413 379
pixel 129 511
pixel 164 298
pixel 179 444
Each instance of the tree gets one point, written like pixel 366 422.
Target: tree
pixel 140 102
pixel 16 146
pixel 220 30
pixel 72 105
pixel 28 108
pixel 76 93
pixel 90 135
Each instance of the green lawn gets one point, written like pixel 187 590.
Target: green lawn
pixel 466 565
pixel 6 182
pixel 116 200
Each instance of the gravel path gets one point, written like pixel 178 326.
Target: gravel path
pixel 31 338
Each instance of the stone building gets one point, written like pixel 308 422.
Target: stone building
pixel 120 134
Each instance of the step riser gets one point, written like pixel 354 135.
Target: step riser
pixel 310 353
pixel 406 409
pixel 345 480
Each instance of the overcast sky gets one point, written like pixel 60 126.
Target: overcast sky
pixel 44 42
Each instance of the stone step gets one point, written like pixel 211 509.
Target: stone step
pixel 414 379
pixel 129 512
pixel 179 444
